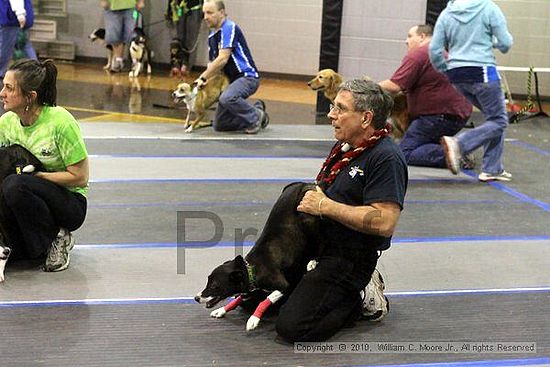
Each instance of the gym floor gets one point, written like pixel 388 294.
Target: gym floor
pixel 469 263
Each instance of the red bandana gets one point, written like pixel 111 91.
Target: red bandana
pixel 340 156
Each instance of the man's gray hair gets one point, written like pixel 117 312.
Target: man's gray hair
pixel 220 5
pixel 369 96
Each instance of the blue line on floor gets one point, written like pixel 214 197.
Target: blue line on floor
pixel 230 204
pixel 204 180
pixel 531 147
pixel 211 156
pixel 458 180
pixel 502 187
pixel 190 299
pixel 482 363
pixel 396 240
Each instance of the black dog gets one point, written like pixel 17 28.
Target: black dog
pixel 289 240
pixel 18 160
pixel 99 35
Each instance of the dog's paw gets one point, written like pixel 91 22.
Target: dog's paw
pixel 29 168
pixel 218 313
pixel 189 129
pixel 252 323
pixel 311 265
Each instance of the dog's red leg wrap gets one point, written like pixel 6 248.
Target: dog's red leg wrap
pixel 264 305
pixel 233 304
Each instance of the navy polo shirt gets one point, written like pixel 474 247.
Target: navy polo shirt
pixel 378 175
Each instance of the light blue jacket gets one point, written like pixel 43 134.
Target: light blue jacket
pixel 469 30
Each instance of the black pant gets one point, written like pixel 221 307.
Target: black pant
pixel 32 210
pixel 326 298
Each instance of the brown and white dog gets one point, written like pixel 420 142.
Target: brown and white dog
pixel 199 100
pixel 327 81
pixel 14 159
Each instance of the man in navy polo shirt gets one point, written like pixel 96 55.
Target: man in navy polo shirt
pixel 228 52
pixel 360 195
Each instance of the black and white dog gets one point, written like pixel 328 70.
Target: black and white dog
pixel 13 160
pixel 140 53
pixel 98 35
pixel 289 240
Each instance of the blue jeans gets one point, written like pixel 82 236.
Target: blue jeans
pixel 119 26
pixel 234 112
pixel 489 98
pixel 421 146
pixel 8 37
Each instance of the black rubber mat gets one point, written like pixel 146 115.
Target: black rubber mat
pixel 185 335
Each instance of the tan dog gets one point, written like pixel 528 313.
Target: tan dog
pixel 326 80
pixel 199 100
pixel 399 117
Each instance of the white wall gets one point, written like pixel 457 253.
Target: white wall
pixel 529 23
pixel 284 35
pixel 373 35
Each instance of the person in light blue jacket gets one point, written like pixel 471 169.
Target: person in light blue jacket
pixel 469 30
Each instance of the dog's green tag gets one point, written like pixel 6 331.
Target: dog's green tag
pixel 180 12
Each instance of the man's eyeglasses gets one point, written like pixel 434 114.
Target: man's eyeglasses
pixel 339 110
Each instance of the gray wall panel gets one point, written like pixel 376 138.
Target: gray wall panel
pixel 285 34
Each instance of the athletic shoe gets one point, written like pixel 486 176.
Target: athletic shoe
pixel 375 305
pixel 257 125
pixel 451 149
pixel 58 257
pixel 503 176
pixel 261 105
pixel 117 66
pixel 468 161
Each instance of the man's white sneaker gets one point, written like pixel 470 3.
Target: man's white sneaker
pixel 375 305
pixel 503 176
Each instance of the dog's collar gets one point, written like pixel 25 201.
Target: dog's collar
pixel 251 271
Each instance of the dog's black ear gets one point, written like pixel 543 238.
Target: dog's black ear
pixel 240 261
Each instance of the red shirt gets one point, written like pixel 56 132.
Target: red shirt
pixel 428 91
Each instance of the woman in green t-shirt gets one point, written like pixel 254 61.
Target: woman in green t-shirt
pixel 38 211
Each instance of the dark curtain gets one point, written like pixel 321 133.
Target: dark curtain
pixel 433 9
pixel 330 49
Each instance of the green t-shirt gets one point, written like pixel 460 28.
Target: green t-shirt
pixel 122 4
pixel 54 139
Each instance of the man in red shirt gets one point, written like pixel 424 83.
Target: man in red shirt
pixel 436 108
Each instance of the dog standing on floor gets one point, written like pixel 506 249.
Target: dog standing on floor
pixel 199 100
pixel 275 264
pixel 140 53
pixel 14 159
pixel 98 35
